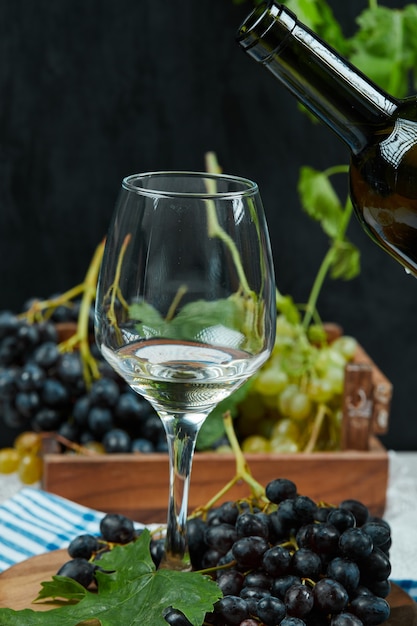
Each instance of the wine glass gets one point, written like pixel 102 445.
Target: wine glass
pixel 185 307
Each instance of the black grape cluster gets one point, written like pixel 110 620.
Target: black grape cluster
pixel 42 389
pixel 291 563
pixel 298 563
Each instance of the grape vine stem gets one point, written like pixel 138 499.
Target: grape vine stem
pixel 242 472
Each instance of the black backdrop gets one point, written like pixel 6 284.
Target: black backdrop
pixel 93 90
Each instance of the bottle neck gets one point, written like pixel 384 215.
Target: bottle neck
pixel 326 84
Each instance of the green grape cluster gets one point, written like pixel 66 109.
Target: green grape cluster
pixel 295 401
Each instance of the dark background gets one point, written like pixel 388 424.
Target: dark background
pixel 94 90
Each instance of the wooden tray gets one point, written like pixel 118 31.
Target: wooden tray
pixel 19 594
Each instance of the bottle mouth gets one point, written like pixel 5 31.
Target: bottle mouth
pixel 265 25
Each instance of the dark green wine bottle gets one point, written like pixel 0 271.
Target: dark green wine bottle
pixel 379 130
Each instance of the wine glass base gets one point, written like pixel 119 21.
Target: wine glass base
pixel 176 563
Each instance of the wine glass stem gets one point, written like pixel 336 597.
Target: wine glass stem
pixel 181 431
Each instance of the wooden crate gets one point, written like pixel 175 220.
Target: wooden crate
pixel 137 485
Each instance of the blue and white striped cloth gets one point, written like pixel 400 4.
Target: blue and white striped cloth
pixel 33 522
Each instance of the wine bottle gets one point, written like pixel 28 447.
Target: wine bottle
pixel 379 130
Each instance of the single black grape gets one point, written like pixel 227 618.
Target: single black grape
pixel 277 561
pixel 83 546
pixel 232 609
pixel 270 610
pixel 46 354
pixel 306 563
pixel 346 572
pixel 258 578
pixel 80 570
pixel 230 582
pixel 176 618
pixel 142 446
pixel 228 512
pixel 292 621
pixel 250 524
pixel 248 551
pixel 81 410
pixel 305 509
pixel 54 394
pixel 117 528
pixel 100 420
pixel 380 533
pixel 30 377
pixel 27 403
pixel 104 392
pixel 280 489
pixel 330 596
pixel 371 609
pixel 355 543
pixel 287 514
pixel 281 585
pixel 69 368
pixel 324 539
pixel 299 600
pixel 359 510
pixel 341 519
pixel 117 440
pixel 222 537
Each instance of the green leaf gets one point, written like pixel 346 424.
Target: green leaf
pixel 385 46
pixel 213 428
pixel 133 595
pixel 149 322
pixel 229 322
pixel 346 261
pixel 319 200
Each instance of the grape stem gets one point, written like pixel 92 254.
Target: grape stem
pixel 80 339
pixel 317 425
pixel 330 256
pixel 43 309
pixel 242 471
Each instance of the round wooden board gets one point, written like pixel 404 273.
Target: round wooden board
pixel 20 584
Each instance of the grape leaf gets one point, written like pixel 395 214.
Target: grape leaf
pixel 213 428
pixel 134 594
pixel 385 47
pixel 319 200
pixel 229 322
pixel 346 261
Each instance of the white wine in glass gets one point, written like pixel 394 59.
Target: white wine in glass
pixel 185 307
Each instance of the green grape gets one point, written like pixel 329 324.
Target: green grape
pixel 284 445
pixel 336 377
pixel 320 390
pixel 284 399
pixel 271 380
pixel 299 406
pixel 30 469
pixel 346 345
pixel 9 460
pixel 328 357
pixel 27 441
pixel 286 428
pixel 256 443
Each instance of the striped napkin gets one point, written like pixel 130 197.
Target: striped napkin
pixel 33 522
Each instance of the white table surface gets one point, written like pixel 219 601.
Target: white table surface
pixel 401 511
